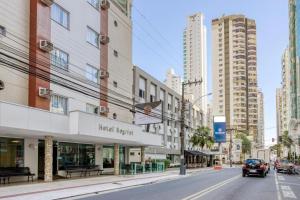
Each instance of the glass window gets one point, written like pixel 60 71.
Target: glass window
pixel 60 59
pixel 142 88
pixel 108 157
pixel 92 73
pixel 94 3
pixel 90 108
pixel 11 152
pixel 60 15
pixel 92 37
pixel 72 154
pixel 59 104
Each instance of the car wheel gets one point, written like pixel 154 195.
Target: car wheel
pixel 263 175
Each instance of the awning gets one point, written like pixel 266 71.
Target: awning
pixel 195 153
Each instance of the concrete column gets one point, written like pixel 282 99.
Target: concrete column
pixel 143 155
pixel 31 155
pixel 116 159
pixel 99 155
pixel 127 160
pixel 48 158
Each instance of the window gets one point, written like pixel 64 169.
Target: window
pixel 92 37
pixel 152 92
pixel 59 104
pixel 90 108
pixel 60 15
pixel 142 88
pixel 94 3
pixel 92 73
pixel 169 138
pixel 71 154
pixel 11 152
pixel 60 59
pixel 108 157
pixel 170 98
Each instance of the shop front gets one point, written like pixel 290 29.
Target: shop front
pixel 49 143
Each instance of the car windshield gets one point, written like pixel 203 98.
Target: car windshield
pixel 252 161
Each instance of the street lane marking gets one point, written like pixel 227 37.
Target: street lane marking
pixel 211 188
pixel 287 192
pixel 281 178
pixel 277 187
pixel 289 183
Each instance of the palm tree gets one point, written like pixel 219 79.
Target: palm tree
pixel 202 138
pixel 286 140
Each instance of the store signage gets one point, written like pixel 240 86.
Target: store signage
pixel 220 129
pixel 115 129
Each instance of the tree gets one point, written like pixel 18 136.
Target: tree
pixel 246 143
pixel 277 148
pixel 202 138
pixel 286 140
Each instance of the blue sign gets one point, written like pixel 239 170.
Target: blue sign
pixel 220 132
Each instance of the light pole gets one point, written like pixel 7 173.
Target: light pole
pixel 182 126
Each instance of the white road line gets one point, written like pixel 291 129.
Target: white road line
pixel 287 192
pixel 281 178
pixel 211 188
pixel 277 187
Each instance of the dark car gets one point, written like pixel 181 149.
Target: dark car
pixel 255 167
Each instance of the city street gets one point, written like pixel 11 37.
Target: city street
pixel 224 184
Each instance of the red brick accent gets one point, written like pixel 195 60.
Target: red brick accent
pixel 40 29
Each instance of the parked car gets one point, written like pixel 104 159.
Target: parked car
pixel 255 167
pixel 285 166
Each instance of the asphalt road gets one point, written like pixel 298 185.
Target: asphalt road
pixel 227 184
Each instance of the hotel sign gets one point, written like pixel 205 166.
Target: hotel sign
pixel 115 129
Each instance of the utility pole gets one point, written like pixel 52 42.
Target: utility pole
pixel 230 145
pixel 182 126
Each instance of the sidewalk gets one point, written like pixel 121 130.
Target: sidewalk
pixel 76 187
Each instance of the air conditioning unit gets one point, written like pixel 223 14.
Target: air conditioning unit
pixel 45 92
pixel 104 39
pixel 45 45
pixel 47 2
pixel 104 4
pixel 103 74
pixel 104 110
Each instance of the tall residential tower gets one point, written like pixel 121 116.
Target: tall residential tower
pixel 195 61
pixel 235 72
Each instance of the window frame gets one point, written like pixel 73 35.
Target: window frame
pixel 67 104
pixel 97 7
pixel 58 65
pixel 98 35
pixel 97 75
pixel 57 21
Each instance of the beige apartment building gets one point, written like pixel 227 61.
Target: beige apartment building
pixel 261 121
pixel 234 65
pixel 173 80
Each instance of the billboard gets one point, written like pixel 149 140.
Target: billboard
pixel 220 129
pixel 148 113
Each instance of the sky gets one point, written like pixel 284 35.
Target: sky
pixel 158 39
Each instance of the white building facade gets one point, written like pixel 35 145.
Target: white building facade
pixel 173 81
pixel 195 60
pixel 66 90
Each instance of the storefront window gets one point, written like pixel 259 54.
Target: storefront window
pixel 71 154
pixel 108 157
pixel 11 152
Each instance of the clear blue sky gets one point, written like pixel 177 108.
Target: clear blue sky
pixel 158 42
